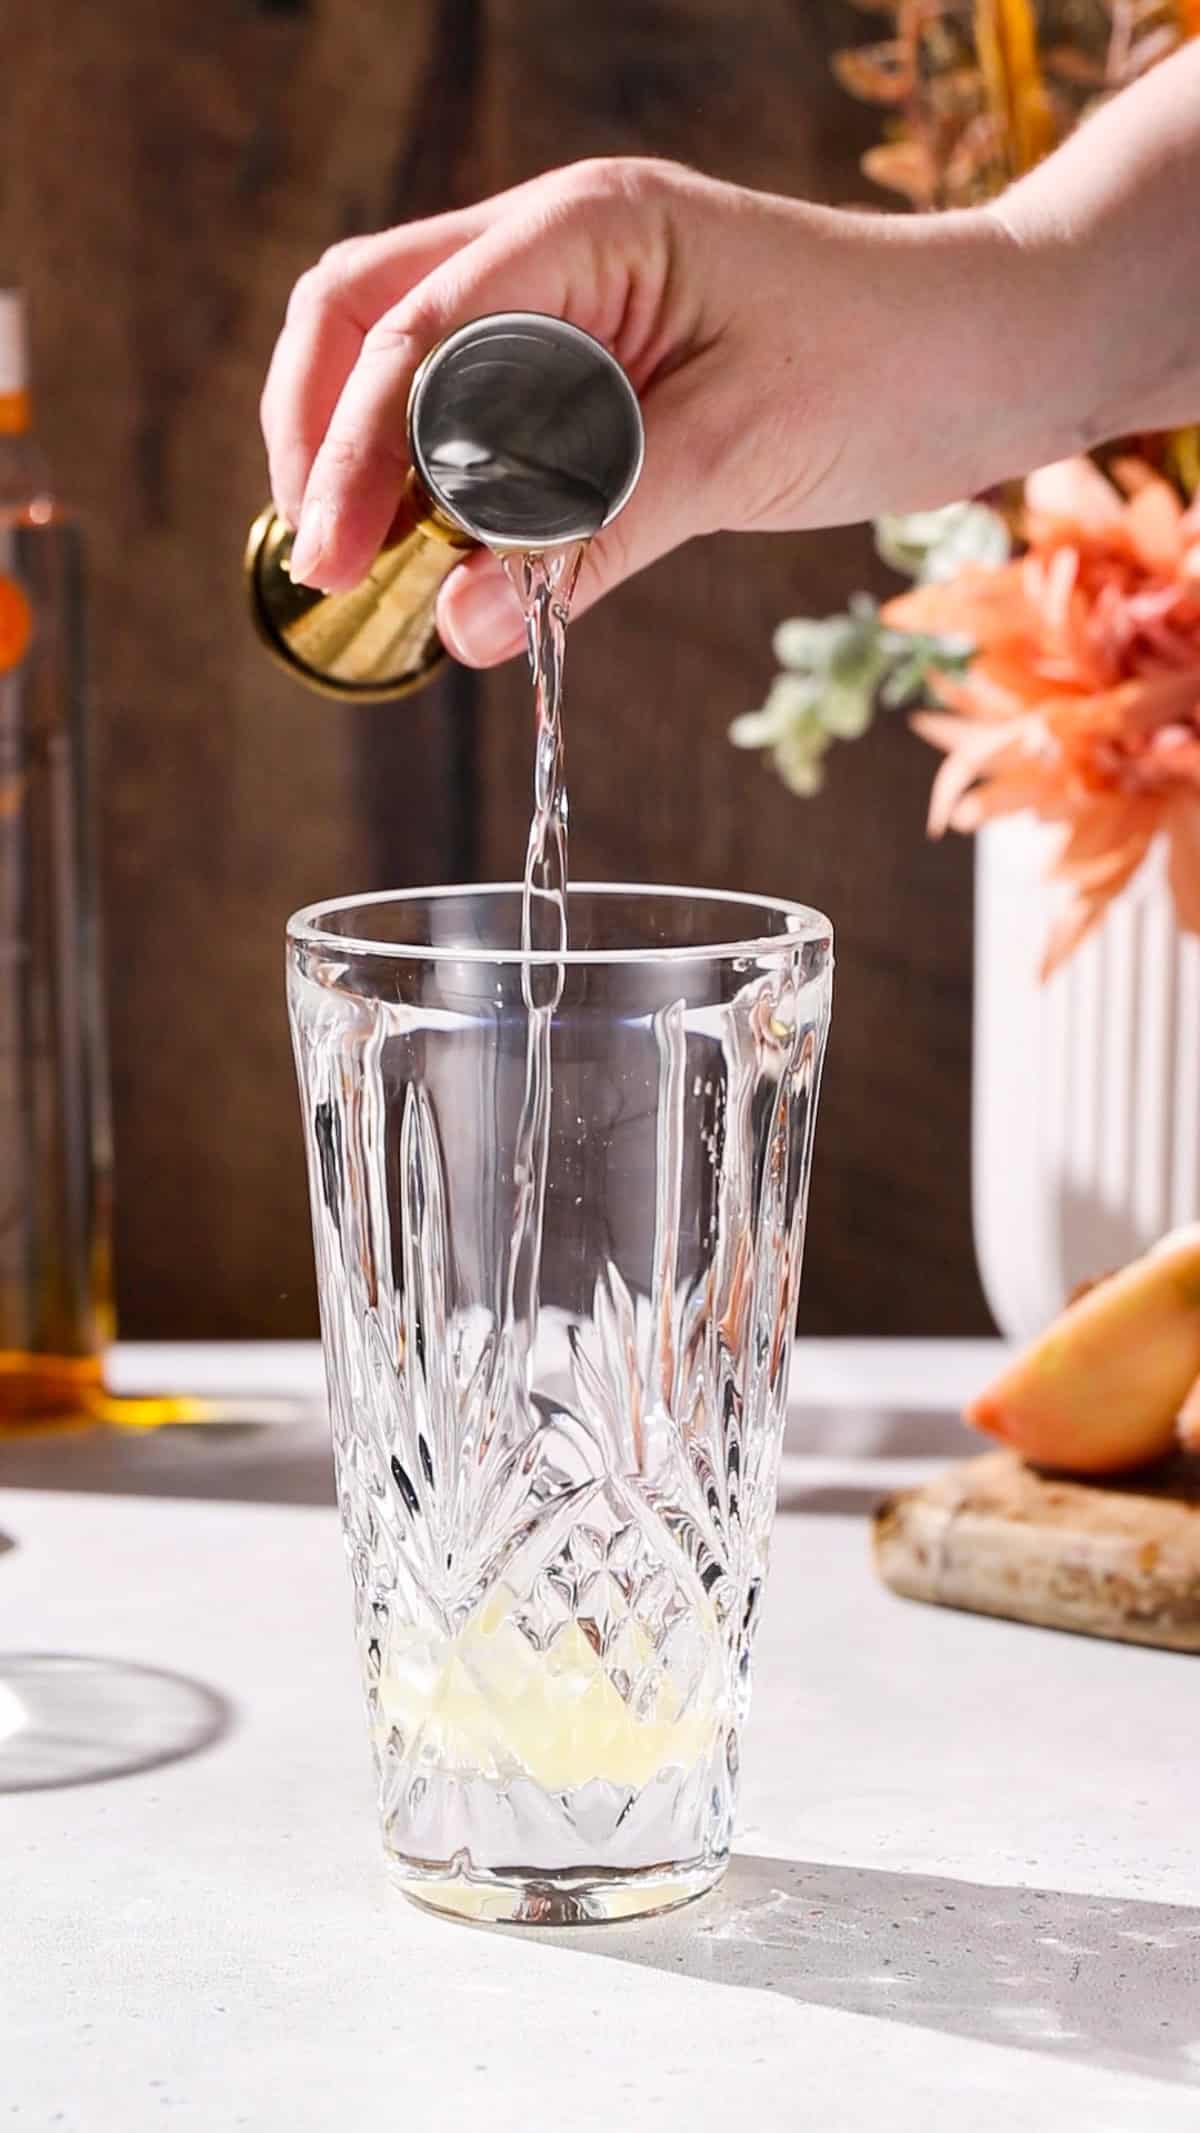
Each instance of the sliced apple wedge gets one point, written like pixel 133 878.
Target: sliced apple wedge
pixel 1189 1420
pixel 1101 1389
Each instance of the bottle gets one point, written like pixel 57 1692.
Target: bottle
pixel 524 434
pixel 55 1165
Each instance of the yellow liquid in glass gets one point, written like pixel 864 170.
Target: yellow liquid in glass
pixel 489 1704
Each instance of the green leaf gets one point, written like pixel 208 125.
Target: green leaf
pixel 861 660
pixel 802 770
pixel 903 684
pixel 847 708
pixel 806 645
pixel 975 535
pixel 754 729
pixel 790 701
pixel 836 671
pixel 933 546
pixel 793 696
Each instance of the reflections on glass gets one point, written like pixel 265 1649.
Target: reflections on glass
pixel 558 1250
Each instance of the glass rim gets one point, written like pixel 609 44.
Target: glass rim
pixel 806 925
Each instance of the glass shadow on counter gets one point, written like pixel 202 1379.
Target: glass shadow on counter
pixel 245 1451
pixel 1110 1981
pixel 69 1719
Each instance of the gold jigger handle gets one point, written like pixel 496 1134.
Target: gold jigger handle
pixel 378 641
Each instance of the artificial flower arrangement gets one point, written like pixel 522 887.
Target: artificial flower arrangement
pixel 1053 637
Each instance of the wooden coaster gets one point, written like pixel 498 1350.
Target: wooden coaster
pixel 1111 1559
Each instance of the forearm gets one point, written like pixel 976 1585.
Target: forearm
pixel 1113 221
pixel 798 366
pixel 1063 315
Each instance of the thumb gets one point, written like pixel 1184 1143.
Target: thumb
pixel 478 617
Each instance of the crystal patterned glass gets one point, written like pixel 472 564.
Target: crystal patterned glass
pixel 558 1203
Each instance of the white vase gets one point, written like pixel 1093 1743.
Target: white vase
pixel 1086 1099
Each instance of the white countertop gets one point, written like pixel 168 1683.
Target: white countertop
pixel 967 1890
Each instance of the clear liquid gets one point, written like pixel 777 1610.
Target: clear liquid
pixel 588 1728
pixel 556 1576
pixel 543 585
pixel 569 1719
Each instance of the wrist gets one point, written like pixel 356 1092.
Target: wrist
pixel 999 367
pixel 1105 252
pixel 939 356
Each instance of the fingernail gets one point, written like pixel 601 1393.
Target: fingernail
pixel 480 620
pixel 289 480
pixel 312 539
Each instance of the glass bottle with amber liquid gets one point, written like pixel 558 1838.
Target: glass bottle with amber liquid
pixel 55 1311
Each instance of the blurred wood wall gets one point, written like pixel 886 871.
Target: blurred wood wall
pixel 169 170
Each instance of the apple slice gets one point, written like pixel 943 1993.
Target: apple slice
pixel 1101 1389
pixel 1189 1420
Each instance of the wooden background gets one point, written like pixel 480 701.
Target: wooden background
pixel 169 170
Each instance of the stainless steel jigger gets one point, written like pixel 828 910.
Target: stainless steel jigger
pixel 524 434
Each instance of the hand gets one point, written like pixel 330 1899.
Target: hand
pixel 762 335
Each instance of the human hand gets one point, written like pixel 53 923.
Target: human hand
pixel 787 358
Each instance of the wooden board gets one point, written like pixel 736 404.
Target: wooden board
pixel 1118 1559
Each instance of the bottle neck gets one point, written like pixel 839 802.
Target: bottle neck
pixel 15 413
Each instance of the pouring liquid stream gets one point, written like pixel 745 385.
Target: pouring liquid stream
pixel 484 1701
pixel 543 585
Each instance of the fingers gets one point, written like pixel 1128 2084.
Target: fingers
pixel 358 472
pixel 332 309
pixel 478 618
pixel 359 469
pixel 570 247
pixel 313 357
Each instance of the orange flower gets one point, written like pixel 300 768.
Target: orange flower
pixel 976 91
pixel 1082 702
